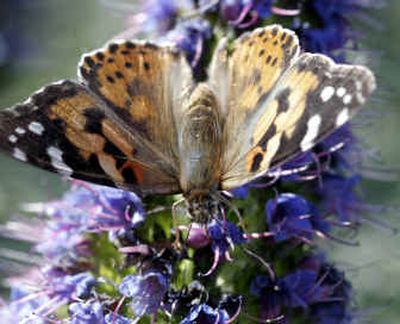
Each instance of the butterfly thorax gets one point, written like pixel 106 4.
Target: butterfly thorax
pixel 200 151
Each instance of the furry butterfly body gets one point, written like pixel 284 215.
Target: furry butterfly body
pixel 137 119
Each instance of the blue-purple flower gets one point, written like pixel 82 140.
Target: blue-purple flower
pixel 146 291
pixel 227 311
pixel 291 216
pixel 312 287
pixel 205 314
pixel 86 313
pixel 191 36
pixel 107 260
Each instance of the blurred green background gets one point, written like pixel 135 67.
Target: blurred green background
pixel 49 36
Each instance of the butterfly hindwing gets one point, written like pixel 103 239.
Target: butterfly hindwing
pixel 311 97
pixel 66 129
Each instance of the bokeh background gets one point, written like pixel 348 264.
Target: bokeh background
pixel 41 41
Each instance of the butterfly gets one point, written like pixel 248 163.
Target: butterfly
pixel 138 120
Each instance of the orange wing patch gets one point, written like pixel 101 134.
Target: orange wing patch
pixel 257 61
pixel 141 82
pixel 65 129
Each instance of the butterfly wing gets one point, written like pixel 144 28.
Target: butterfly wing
pixel 83 131
pixel 279 110
pixel 143 85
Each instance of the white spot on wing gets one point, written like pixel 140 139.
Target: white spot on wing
pixel 12 138
pixel 343 117
pixel 327 93
pixel 57 161
pixel 347 99
pixel 36 128
pixel 340 92
pixel 19 155
pixel 20 131
pixel 311 134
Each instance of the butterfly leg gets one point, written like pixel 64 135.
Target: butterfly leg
pixel 175 222
pixel 220 197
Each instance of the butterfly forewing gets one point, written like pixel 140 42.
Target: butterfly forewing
pixel 144 85
pixel 310 98
pixel 68 129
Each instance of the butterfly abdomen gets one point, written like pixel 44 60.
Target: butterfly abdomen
pixel 200 142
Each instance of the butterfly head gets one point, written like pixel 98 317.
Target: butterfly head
pixel 202 207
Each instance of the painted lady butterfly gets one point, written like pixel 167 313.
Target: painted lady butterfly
pixel 137 120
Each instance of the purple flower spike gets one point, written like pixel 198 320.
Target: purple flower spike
pixel 86 313
pixel 224 235
pixel 291 216
pixel 113 318
pixel 190 36
pixel 227 311
pixel 93 208
pixel 244 13
pixel 301 288
pixel 163 14
pixel 70 287
pixel 298 289
pixel 339 197
pixel 146 291
pixel 206 315
pixel 23 306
